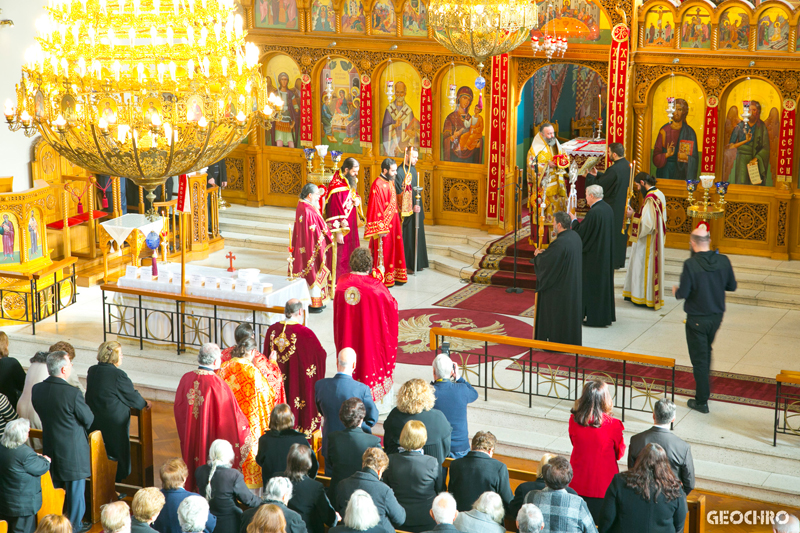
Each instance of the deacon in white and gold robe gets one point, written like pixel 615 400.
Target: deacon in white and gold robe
pixel 644 281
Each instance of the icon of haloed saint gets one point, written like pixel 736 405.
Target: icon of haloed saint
pixel 751 142
pixel 675 153
pixel 7 231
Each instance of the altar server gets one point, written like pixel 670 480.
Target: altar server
pixel 644 281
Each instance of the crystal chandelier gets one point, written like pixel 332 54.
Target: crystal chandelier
pixel 551 44
pixel 481 28
pixel 141 89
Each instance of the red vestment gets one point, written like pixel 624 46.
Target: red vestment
pixel 365 318
pixel 340 213
pixel 301 358
pixel 206 410
pixel 383 222
pixel 271 372
pixel 310 241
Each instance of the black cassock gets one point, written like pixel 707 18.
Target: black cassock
pixel 558 282
pixel 614 182
pixel 410 226
pixel 596 232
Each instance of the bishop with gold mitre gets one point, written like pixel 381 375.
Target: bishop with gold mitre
pixel 544 148
pixel 301 358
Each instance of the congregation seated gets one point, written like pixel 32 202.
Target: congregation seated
pixel 524 488
pixel 331 393
pixel 116 518
pixel 415 401
pixel 597 444
pixel 54 523
pixel 444 512
pixel 529 519
pixel 12 376
pixel 268 519
pixel 308 495
pixel 224 487
pixel 486 516
pixel 453 395
pixel 679 453
pixel 37 372
pixel 361 515
pixel 275 444
pixel 21 470
pixel 193 514
pixel 647 498
pixel 346 447
pixel 479 472
pixel 374 463
pixel 173 475
pixel 562 512
pixel 414 477
pixel 146 506
pixel 278 493
pixel 111 396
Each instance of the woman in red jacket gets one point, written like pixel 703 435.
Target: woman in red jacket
pixel 597 444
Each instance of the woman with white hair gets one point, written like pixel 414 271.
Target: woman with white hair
pixel 224 487
pixel 116 517
pixel 277 493
pixel 20 471
pixel 361 515
pixel 486 515
pixel 193 514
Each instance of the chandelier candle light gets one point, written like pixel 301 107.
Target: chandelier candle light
pixel 143 90
pixel 706 209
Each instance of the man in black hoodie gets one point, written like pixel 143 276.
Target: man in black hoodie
pixel 705 278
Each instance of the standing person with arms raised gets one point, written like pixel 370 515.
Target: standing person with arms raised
pixel 596 233
pixel 405 182
pixel 705 278
pixel 559 271
pixel 614 182
pixel 384 230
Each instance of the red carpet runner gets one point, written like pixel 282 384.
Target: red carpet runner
pixel 497 266
pixel 478 297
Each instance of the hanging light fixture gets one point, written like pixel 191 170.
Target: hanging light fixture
pixel 550 43
pixel 481 28
pixel 671 98
pixel 144 89
pixel 390 81
pixel 451 89
pixel 329 81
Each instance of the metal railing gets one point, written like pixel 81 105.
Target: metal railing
pixel 558 371
pixel 787 404
pixel 43 298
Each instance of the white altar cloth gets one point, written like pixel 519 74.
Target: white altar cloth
pixel 119 228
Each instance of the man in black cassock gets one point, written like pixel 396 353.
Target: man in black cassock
pixel 559 311
pixel 596 233
pixel 614 182
pixel 404 183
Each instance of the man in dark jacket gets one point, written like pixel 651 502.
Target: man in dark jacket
pixel 330 393
pixel 453 394
pixel 66 420
pixel 374 463
pixel 615 181
pixel 346 447
pixel 21 469
pixel 705 278
pixel 479 472
pixel 597 235
pixel 278 493
pixel 678 451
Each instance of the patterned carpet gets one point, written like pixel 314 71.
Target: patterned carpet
pixel 479 297
pixel 497 266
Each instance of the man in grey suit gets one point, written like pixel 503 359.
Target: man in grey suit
pixel 678 451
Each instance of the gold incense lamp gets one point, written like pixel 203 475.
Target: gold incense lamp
pixel 141 89
pixel 318 173
pixel 705 209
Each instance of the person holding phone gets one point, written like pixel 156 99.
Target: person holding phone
pixel 453 394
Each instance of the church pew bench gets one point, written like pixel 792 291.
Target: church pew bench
pixel 3 526
pixel 52 498
pixel 142 474
pixel 696 517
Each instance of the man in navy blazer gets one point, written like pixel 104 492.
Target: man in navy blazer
pixel 332 392
pixel 66 420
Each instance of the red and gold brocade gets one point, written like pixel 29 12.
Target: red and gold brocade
pixel 342 215
pixel 383 222
pixel 251 392
pixel 271 372
pixel 310 241
pixel 301 358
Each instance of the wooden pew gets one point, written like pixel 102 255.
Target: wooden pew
pixel 52 498
pixel 696 517
pixel 3 526
pixel 141 451
pixel 100 486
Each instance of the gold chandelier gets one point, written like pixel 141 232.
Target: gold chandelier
pixel 141 89
pixel 482 28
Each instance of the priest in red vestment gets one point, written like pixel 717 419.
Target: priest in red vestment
pixel 301 358
pixel 342 213
pixel 365 318
pixel 384 229
pixel 206 410
pixel 310 241
pixel 268 367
